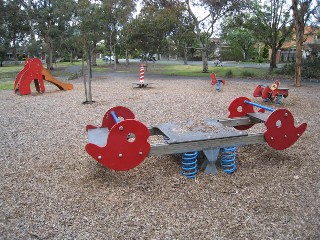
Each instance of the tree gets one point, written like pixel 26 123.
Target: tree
pixel 2 34
pixel 16 24
pixel 52 19
pixel 116 15
pixel 272 24
pixel 302 11
pixel 153 30
pixel 238 37
pixel 204 27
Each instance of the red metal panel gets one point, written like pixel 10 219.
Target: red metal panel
pixel 31 72
pixel 258 90
pixel 121 112
pixel 126 148
pixel 238 108
pixel 281 132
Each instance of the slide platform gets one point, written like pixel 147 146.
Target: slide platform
pixel 47 76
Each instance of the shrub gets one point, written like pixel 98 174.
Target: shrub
pixel 247 74
pixel 229 73
pixel 75 75
pixel 310 69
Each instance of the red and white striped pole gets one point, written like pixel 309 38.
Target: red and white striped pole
pixel 141 73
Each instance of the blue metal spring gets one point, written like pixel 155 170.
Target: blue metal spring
pixel 218 85
pixel 228 159
pixel 190 164
pixel 279 99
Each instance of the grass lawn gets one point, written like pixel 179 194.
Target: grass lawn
pixel 196 71
pixel 8 73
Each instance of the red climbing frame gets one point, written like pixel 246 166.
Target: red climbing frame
pixel 32 71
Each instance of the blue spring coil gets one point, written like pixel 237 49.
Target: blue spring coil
pixel 279 99
pixel 190 164
pixel 218 85
pixel 228 159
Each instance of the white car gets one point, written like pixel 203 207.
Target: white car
pixel 108 58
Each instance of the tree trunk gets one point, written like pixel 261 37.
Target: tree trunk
pixel 298 63
pixel 50 57
pixel 93 55
pixel 246 54
pixel 273 59
pixel 127 58
pixel 84 75
pixel 185 52
pixel 204 61
pixel 14 51
pixel 89 76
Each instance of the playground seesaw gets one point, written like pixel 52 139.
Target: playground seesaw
pixel 121 143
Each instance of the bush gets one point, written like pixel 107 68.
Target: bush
pixel 310 69
pixel 247 74
pixel 229 73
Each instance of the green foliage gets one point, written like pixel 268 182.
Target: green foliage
pixel 238 37
pixel 229 73
pixel 231 54
pixel 309 69
pixel 246 73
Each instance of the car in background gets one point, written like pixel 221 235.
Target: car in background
pixel 108 58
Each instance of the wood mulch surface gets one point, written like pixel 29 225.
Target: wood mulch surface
pixel 52 189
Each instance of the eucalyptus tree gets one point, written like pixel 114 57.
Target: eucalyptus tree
pixel 16 24
pixel 184 36
pixel 205 24
pixel 156 28
pixel 51 19
pixel 116 14
pixel 239 38
pixel 2 34
pixel 88 33
pixel 272 24
pixel 302 10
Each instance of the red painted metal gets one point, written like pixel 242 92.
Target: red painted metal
pixel 214 79
pixel 141 73
pixel 281 132
pixel 121 112
pixel 127 146
pixel 238 108
pixel 270 92
pixel 32 71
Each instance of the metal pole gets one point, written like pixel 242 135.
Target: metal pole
pixel 116 119
pixel 259 106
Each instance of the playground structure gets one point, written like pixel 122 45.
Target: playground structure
pixel 142 83
pixel 123 144
pixel 34 71
pixel 217 82
pixel 271 93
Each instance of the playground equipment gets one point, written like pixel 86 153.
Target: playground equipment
pixel 123 145
pixel 271 93
pixel 141 83
pixel 215 81
pixel 34 71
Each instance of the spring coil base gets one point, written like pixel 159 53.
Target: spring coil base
pixel 189 164
pixel 279 99
pixel 228 159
